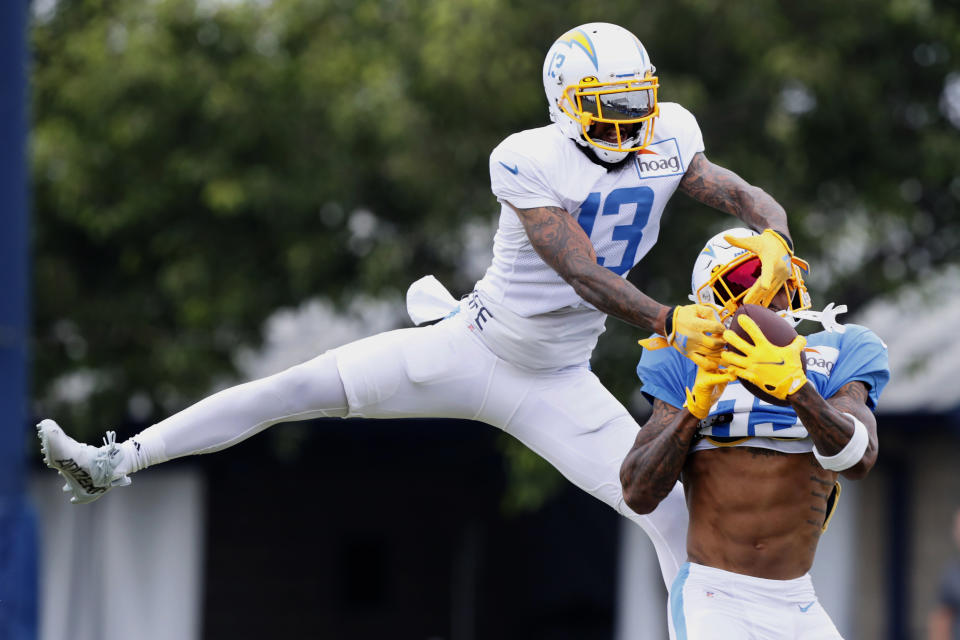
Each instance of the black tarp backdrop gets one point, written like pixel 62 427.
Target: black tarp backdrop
pixel 394 528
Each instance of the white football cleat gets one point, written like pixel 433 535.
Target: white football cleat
pixel 88 470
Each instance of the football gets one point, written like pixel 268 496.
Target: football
pixel 776 329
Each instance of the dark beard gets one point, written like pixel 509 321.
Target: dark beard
pixel 609 166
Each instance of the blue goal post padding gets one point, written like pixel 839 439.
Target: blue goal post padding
pixel 18 548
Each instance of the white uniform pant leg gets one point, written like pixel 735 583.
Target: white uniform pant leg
pixel 566 417
pixel 711 604
pixel 438 371
pixel 308 390
pixel 396 367
pixel 571 420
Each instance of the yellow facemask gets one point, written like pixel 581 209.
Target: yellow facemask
pixel 619 103
pixel 731 281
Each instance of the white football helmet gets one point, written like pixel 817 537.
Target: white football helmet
pixel 723 273
pixel 600 73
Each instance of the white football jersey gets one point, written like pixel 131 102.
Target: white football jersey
pixel 619 210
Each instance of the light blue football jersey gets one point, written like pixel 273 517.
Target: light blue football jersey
pixel 833 360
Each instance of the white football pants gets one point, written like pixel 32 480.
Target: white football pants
pixel 713 604
pixel 441 371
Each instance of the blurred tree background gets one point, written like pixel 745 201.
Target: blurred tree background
pixel 198 165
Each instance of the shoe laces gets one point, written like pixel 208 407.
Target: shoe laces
pixel 106 460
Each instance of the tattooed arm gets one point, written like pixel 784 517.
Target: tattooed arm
pixel 655 461
pixel 722 189
pixel 561 242
pixel 830 429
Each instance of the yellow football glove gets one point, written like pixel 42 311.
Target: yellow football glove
pixel 775 264
pixel 707 389
pixel 776 370
pixel 694 331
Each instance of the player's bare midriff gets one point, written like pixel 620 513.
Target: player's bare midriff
pixel 755 511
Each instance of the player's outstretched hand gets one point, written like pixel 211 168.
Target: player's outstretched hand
pixel 707 388
pixel 776 370
pixel 695 331
pixel 775 264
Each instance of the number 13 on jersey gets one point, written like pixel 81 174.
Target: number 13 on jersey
pixel 631 233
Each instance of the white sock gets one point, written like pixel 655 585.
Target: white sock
pixel 141 451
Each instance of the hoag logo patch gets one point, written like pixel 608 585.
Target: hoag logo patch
pixel 820 359
pixel 660 159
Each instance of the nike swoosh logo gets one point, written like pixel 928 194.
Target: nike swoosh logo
pixel 776 364
pixel 514 169
pixel 803 609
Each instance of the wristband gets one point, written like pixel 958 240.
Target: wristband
pixel 785 239
pixel 668 322
pixel 850 454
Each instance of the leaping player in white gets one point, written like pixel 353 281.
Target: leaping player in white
pixel 581 201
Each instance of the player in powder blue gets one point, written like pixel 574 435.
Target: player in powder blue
pixel 760 479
